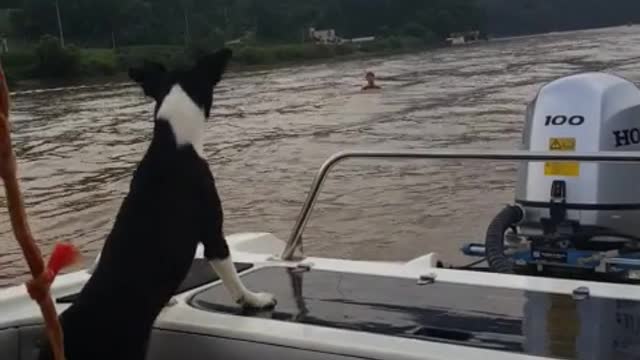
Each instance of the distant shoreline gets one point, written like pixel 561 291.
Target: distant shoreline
pixel 119 75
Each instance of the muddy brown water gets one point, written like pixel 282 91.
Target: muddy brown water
pixel 271 130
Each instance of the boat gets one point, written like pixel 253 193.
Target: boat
pixel 463 38
pixel 535 299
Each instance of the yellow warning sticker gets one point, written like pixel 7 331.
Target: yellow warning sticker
pixel 562 144
pixel 571 169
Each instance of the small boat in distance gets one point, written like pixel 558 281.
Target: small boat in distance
pixel 464 38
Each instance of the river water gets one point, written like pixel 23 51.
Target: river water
pixel 271 130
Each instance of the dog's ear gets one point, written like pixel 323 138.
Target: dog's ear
pixel 149 76
pixel 214 65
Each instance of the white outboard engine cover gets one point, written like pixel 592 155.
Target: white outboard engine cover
pixel 589 112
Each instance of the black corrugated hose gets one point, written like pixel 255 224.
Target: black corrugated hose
pixel 494 241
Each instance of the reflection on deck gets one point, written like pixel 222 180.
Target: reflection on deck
pixel 534 323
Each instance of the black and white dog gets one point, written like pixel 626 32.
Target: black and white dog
pixel 172 206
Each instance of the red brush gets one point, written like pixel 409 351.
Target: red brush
pixel 64 255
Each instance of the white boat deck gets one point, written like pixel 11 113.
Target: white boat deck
pixel 181 317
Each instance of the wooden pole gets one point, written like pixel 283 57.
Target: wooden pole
pixel 60 30
pixel 187 26
pixel 39 286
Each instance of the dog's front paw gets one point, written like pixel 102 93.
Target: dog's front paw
pixel 258 301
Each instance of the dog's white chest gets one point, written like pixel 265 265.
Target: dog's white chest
pixel 185 118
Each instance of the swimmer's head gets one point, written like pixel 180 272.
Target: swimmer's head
pixel 371 77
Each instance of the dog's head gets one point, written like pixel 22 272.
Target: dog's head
pixel 196 82
pixel 183 97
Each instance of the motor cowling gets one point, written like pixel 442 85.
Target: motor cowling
pixel 591 112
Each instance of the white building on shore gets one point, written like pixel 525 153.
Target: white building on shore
pixel 324 36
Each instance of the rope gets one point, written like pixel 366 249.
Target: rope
pixel 63 255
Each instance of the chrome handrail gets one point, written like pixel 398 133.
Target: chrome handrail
pixel 296 234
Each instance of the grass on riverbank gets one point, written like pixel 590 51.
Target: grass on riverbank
pixel 48 60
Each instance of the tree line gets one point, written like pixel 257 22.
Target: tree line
pixel 104 37
pixel 519 17
pixel 103 23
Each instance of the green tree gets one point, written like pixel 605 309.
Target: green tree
pixel 109 23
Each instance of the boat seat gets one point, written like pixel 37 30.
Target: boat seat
pixel 200 274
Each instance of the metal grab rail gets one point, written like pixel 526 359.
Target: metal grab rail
pixel 296 234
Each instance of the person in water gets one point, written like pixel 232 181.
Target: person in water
pixel 371 82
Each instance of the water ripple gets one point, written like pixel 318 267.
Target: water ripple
pixel 271 130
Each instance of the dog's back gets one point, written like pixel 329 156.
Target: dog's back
pixel 172 206
pixel 148 253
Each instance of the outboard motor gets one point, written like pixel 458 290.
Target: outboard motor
pixel 571 217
